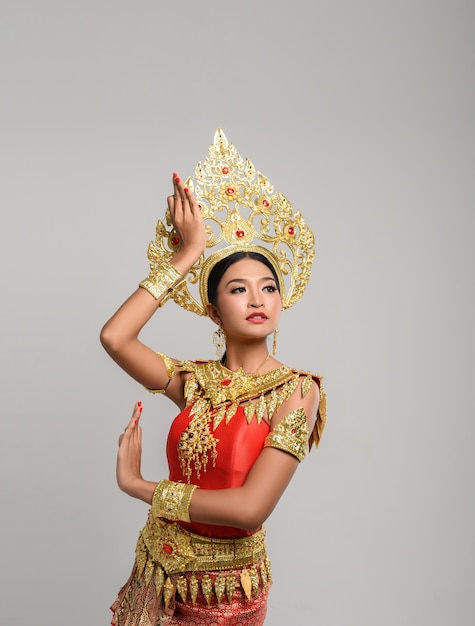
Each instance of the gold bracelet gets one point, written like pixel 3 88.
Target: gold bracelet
pixel 171 500
pixel 161 280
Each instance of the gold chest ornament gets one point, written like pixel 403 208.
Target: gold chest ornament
pixel 215 393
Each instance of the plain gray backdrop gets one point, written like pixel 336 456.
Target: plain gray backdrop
pixel 361 113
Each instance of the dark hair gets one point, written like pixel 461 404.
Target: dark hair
pixel 221 266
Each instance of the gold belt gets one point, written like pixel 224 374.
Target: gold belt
pixel 178 550
pixel 165 548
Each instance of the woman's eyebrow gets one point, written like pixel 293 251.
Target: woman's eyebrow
pixel 246 280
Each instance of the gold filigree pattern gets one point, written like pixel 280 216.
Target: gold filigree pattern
pixel 220 586
pixel 182 587
pixel 168 592
pixel 207 588
pixel 166 544
pixel 171 500
pixel 162 277
pixel 290 434
pixel 241 211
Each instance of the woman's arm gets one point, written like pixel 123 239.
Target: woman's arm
pixel 244 507
pixel 249 506
pixel 119 336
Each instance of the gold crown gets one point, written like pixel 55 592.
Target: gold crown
pixel 241 212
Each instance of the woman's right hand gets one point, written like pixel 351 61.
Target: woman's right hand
pixel 186 217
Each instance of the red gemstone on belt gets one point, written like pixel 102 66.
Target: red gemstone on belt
pixel 225 382
pixel 265 203
pixel 167 548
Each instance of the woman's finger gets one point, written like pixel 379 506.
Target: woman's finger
pixel 134 420
pixel 179 192
pixel 191 200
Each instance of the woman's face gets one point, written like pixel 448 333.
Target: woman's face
pixel 248 301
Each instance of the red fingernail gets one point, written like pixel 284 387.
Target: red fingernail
pixel 178 179
pixel 135 421
pixel 139 403
pixel 186 189
pixel 141 409
pixel 175 174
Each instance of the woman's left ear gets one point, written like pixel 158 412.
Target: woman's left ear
pixel 213 314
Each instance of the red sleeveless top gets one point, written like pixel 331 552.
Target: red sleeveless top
pixel 239 444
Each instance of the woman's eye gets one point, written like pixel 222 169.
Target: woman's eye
pixel 238 290
pixel 270 288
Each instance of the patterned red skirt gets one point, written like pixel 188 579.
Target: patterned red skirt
pixel 183 578
pixel 139 604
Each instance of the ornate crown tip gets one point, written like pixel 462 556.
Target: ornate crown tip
pixel 220 139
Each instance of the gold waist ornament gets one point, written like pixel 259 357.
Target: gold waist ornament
pixel 164 549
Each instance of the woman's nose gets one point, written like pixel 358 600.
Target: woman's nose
pixel 255 302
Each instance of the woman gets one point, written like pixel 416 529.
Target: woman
pixel 244 421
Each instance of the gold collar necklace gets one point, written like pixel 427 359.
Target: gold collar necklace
pixel 258 368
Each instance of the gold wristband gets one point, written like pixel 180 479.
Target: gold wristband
pixel 171 500
pixel 161 280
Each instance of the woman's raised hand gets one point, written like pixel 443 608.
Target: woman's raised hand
pixel 186 217
pixel 129 457
pixel 130 453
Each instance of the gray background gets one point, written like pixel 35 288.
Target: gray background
pixel 361 113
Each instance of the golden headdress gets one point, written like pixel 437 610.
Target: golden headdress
pixel 241 212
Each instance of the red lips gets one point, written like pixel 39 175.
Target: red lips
pixel 257 317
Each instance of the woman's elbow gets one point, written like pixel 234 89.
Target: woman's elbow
pixel 253 516
pixel 109 339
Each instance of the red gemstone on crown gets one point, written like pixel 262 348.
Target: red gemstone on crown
pixel 230 191
pixel 167 548
pixel 175 241
pixel 291 230
pixel 225 170
pixel 265 203
pixel 225 382
pixel 240 233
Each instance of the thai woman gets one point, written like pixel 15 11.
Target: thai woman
pixel 245 420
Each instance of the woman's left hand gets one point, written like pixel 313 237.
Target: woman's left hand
pixel 130 454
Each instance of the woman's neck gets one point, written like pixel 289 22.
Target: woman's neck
pixel 250 359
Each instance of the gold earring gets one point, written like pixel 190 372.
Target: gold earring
pixel 274 341
pixel 219 341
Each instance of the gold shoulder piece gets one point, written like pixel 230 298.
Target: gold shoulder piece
pixel 168 364
pixel 321 421
pixel 306 384
pixel 170 367
pixel 290 434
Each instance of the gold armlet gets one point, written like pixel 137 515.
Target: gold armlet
pixel 171 500
pixel 162 279
pixel 290 434
pixel 170 366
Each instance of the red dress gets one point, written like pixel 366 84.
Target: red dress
pixel 212 443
